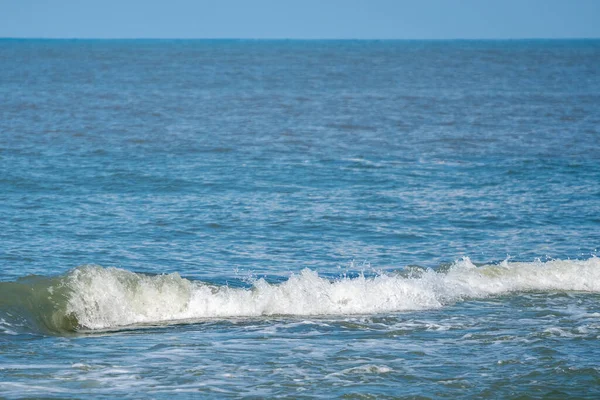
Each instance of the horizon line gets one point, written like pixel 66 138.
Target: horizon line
pixel 299 38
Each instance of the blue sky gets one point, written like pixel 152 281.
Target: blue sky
pixel 308 19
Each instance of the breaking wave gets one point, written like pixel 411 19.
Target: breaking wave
pixel 97 298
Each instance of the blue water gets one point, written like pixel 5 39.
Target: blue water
pixel 299 218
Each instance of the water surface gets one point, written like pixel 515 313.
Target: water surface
pixel 299 218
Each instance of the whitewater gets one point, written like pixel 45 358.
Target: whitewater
pixel 92 298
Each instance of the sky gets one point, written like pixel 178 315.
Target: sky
pixel 301 19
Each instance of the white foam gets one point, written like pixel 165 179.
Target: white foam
pixel 104 298
pixel 5 327
pixel 367 369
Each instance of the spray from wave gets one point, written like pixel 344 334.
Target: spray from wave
pixel 97 298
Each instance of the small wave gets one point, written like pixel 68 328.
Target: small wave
pixel 97 298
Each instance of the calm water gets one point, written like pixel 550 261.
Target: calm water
pixel 299 219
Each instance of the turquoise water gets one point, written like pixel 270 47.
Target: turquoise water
pixel 299 218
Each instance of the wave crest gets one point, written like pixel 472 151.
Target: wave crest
pixel 97 298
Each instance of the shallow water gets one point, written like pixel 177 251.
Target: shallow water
pixel 291 218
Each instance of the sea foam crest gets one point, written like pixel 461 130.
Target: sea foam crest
pixel 106 298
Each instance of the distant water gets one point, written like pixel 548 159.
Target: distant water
pixel 299 218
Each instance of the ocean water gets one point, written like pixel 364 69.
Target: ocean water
pixel 357 219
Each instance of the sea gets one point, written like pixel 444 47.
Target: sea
pixel 299 219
